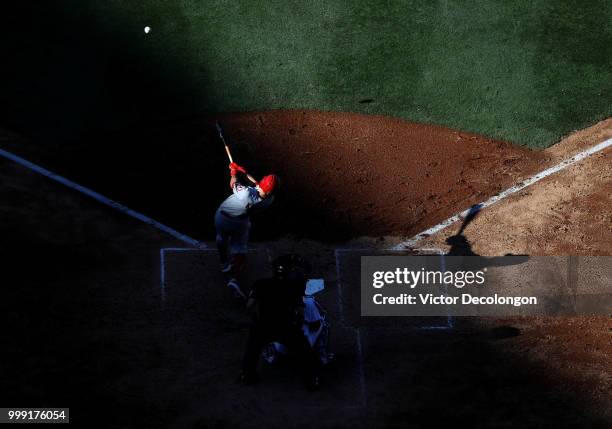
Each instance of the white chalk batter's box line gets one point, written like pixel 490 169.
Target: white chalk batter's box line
pixel 339 301
pixel 358 343
pixel 340 304
pixel 339 293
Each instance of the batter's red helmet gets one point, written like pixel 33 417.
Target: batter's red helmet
pixel 269 183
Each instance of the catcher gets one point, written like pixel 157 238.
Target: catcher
pixel 233 224
pixel 277 309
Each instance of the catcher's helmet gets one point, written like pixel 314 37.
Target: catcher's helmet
pixel 290 266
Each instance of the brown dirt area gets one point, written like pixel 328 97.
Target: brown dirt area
pixel 83 280
pixel 343 175
pixel 372 175
pixel 567 213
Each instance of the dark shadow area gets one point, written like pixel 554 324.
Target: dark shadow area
pixel 123 113
pixel 74 72
pixel 110 110
pixel 101 105
pixel 115 110
pixel 469 382
pixel 81 296
pixel 459 244
pixel 503 332
pixel 77 303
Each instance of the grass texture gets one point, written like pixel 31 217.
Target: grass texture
pixel 524 71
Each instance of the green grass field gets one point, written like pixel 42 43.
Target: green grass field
pixel 523 71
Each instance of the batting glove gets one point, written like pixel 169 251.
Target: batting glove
pixel 235 168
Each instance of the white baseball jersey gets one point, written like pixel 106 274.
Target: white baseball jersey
pixel 244 201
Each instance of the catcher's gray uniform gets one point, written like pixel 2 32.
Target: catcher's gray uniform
pixel 232 217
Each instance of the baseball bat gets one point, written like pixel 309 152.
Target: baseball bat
pixel 222 137
pixel 227 150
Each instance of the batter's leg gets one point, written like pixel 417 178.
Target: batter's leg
pixel 238 248
pixel 222 238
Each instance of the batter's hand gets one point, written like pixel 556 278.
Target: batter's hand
pixel 234 168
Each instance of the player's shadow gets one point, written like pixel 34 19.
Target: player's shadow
pixel 459 244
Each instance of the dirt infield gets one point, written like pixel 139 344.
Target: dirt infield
pixel 566 213
pixel 343 175
pixel 372 175
pixel 91 306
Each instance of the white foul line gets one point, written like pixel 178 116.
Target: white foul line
pixel 101 198
pixel 496 198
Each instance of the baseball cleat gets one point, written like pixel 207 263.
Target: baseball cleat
pixel 226 268
pixel 235 288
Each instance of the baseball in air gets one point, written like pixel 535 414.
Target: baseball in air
pixel 147 29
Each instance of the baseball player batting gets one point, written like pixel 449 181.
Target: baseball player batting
pixel 233 224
